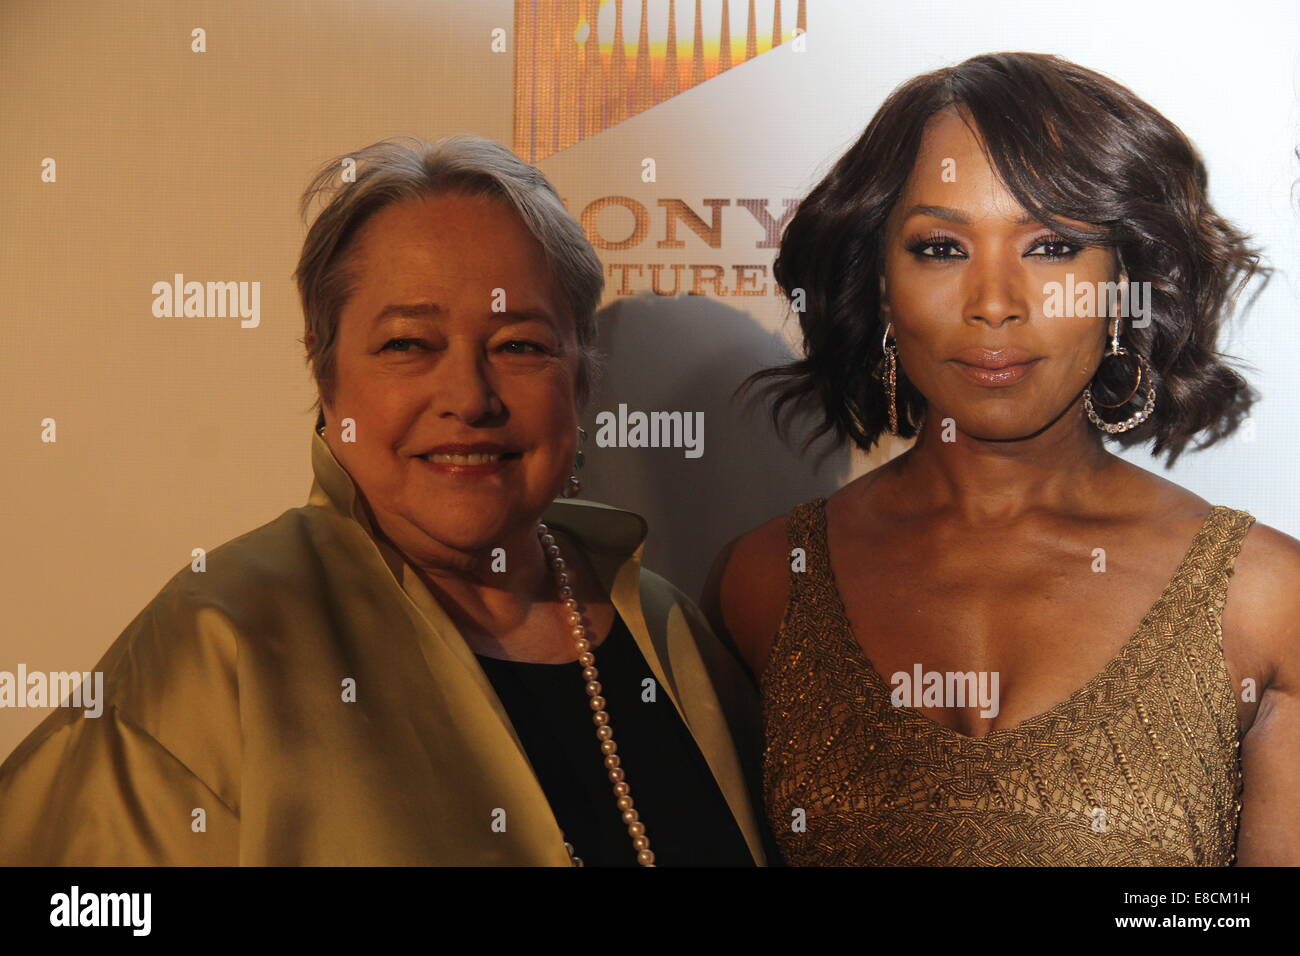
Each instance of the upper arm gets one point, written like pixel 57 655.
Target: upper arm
pixel 99 791
pixel 746 592
pixel 1267 586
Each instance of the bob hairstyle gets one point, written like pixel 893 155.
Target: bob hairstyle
pixel 1065 141
pixel 405 168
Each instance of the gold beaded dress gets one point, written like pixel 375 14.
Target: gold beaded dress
pixel 1139 767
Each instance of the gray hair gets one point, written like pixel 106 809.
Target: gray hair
pixel 405 168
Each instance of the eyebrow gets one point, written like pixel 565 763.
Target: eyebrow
pixel 432 310
pixel 956 215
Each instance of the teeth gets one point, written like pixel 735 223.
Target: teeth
pixel 476 459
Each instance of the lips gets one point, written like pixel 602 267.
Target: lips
pixel 995 367
pixel 994 358
pixel 472 457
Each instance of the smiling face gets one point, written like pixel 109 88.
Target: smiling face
pixel 454 337
pixel 964 284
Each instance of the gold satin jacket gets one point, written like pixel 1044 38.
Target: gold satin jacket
pixel 225 737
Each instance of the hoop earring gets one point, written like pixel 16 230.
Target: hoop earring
pixel 891 377
pixel 1143 372
pixel 574 484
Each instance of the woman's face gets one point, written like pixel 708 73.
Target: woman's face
pixel 454 335
pixel 964 285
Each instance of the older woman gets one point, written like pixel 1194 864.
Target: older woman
pixel 405 670
pixel 1008 645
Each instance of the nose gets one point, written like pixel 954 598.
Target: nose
pixel 996 292
pixel 462 388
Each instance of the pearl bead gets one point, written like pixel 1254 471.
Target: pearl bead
pixel 604 732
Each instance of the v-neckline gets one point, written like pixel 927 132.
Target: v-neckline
pixel 859 655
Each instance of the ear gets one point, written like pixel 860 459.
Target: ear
pixel 884 299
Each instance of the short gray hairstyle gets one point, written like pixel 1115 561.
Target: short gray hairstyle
pixel 406 168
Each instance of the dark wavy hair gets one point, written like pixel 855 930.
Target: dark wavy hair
pixel 1066 142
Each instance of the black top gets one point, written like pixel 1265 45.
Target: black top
pixel 685 815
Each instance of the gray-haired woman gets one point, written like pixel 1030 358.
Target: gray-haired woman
pixel 404 670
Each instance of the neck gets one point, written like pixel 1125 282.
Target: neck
pixel 996 481
pixel 473 585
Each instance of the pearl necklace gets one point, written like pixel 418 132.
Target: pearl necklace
pixel 600 716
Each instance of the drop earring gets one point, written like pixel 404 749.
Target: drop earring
pixel 573 485
pixel 891 377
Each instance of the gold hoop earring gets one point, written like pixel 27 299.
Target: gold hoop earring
pixel 1143 373
pixel 891 377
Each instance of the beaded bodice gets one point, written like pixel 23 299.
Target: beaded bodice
pixel 1139 767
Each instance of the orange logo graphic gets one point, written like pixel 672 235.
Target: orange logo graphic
pixel 578 73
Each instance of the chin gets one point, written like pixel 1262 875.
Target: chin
pixel 997 428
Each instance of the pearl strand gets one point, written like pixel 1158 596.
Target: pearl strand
pixel 600 716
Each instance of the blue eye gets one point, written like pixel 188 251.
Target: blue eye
pixel 393 343
pixel 536 348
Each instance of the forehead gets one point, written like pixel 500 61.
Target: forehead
pixel 952 170
pixel 450 243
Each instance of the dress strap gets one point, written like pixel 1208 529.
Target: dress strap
pixel 808 606
pixel 806 537
pixel 1214 565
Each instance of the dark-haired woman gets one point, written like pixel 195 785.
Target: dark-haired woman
pixel 1008 645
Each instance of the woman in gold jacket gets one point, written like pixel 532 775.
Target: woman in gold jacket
pixel 407 669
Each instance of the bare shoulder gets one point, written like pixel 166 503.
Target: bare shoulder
pixel 1262 610
pixel 1261 613
pixel 747 589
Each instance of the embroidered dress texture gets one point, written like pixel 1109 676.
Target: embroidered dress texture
pixel 1138 767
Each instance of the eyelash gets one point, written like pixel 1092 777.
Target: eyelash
pixel 917 244
pixel 534 345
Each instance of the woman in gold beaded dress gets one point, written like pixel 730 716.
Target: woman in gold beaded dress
pixel 1015 260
